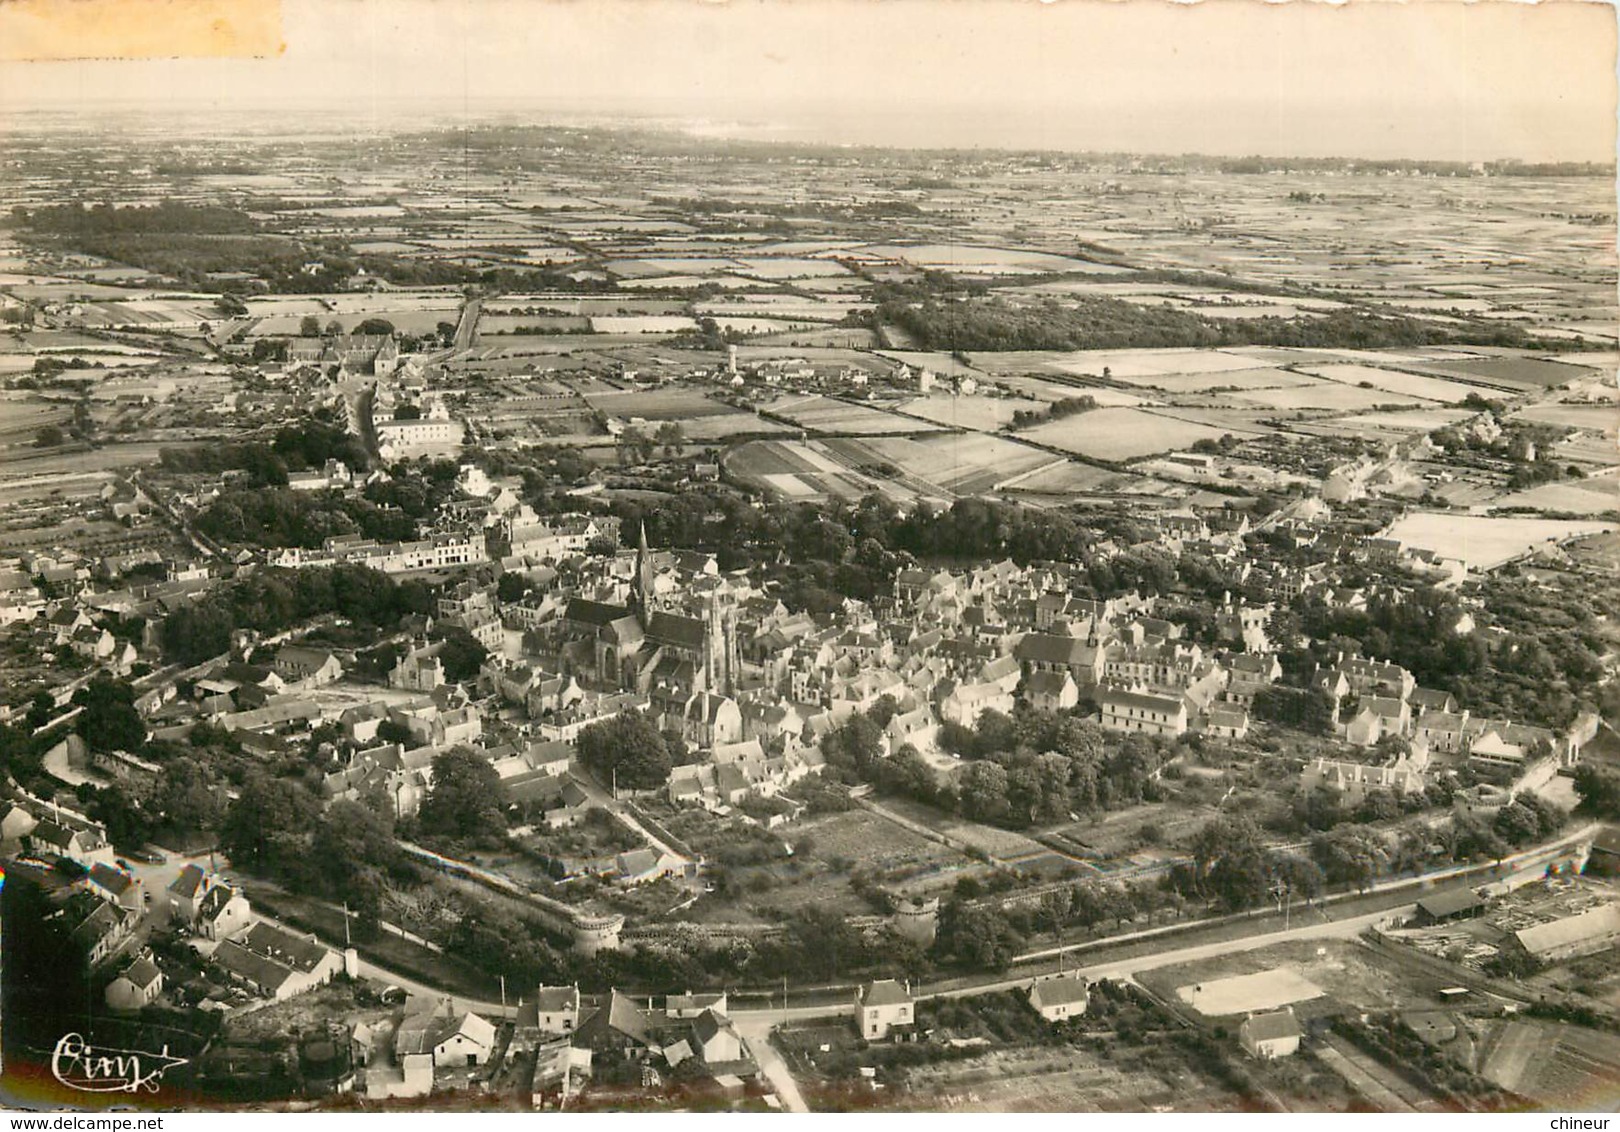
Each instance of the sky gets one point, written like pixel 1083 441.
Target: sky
pixel 1433 79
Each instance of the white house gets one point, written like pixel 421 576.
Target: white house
pixel 882 1005
pixel 1270 1035
pixel 1059 999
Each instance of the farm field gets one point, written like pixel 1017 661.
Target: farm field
pixel 1408 384
pixel 1604 419
pixel 1124 365
pixel 533 324
pixel 1526 373
pixel 657 404
pixel 799 470
pixel 968 259
pixel 962 465
pixel 754 324
pixel 1405 420
pixel 1594 496
pixel 641 323
pixel 1324 395
pixel 974 413
pixel 1082 479
pixel 1484 541
pixel 1557 1065
pixel 1119 434
pixel 1231 379
pixel 823 414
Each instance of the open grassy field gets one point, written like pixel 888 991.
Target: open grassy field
pixel 1246 994
pixel 1119 434
pixel 1484 541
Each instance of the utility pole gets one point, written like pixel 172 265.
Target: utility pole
pixel 346 943
pixel 503 998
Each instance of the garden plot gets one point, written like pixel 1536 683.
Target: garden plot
pixel 1410 384
pixel 1245 994
pixel 1120 434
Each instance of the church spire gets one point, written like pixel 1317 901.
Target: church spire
pixel 644 574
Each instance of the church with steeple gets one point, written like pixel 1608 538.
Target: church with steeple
pixel 670 649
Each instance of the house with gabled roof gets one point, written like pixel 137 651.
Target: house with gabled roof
pixel 1270 1035
pixel 1059 999
pixel 116 886
pixel 883 1006
pixel 136 986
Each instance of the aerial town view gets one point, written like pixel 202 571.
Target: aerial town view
pixel 528 613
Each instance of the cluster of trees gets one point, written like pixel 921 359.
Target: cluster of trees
pixel 346 851
pixel 280 516
pixel 1233 866
pixel 629 751
pixel 1057 410
pixel 270 601
pixel 467 801
pixel 1098 323
pixel 1031 768
pixel 167 216
pixel 295 448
